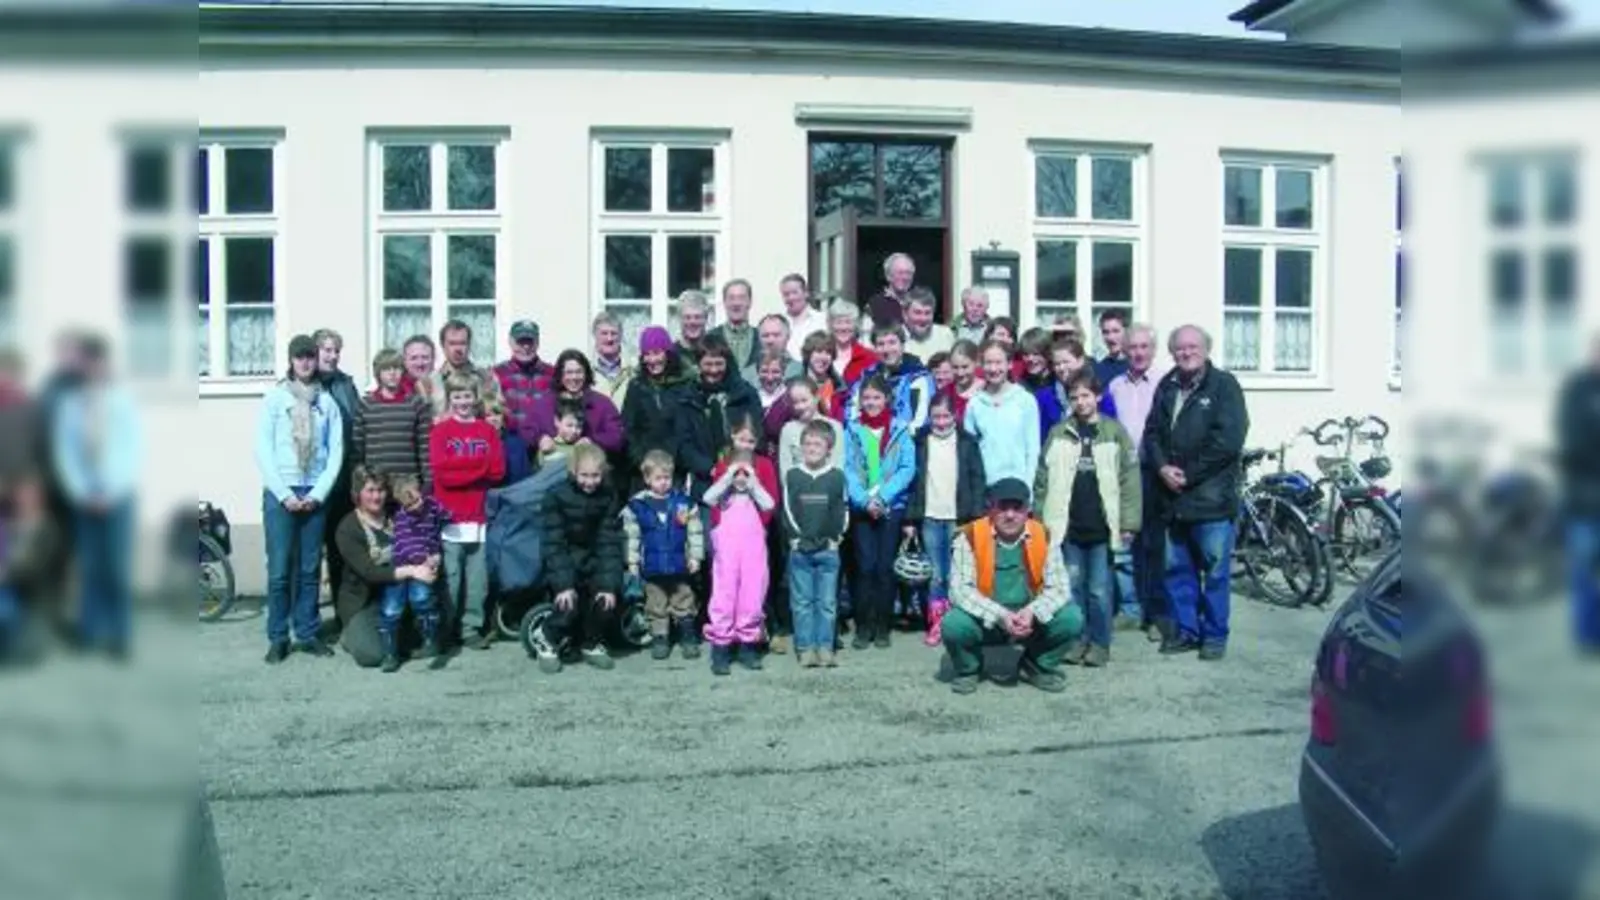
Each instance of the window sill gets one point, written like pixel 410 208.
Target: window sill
pixel 236 387
pixel 1394 382
pixel 1257 381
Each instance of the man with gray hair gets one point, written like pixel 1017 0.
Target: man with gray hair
pixel 694 313
pixel 1138 568
pixel 612 374
pixel 736 329
pixel 888 308
pixel 974 321
pixel 1194 440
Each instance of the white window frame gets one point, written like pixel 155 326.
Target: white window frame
pixel 1269 238
pixel 215 227
pixel 14 145
pixel 1536 338
pixel 1086 231
pixel 175 227
pixel 658 224
pixel 439 224
pixel 1400 278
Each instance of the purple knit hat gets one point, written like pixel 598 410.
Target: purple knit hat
pixel 654 339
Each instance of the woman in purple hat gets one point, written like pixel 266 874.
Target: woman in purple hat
pixel 652 403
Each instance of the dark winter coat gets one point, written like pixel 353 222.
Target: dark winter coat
pixel 650 417
pixel 1578 437
pixel 582 542
pixel 362 580
pixel 702 427
pixel 971 483
pixel 1206 442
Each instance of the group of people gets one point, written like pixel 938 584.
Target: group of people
pixel 756 481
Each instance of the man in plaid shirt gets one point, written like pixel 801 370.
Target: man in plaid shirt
pixel 1008 583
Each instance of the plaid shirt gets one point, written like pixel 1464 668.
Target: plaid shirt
pixel 1053 596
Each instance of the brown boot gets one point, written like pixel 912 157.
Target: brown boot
pixel 779 644
pixel 1075 654
pixel 1097 657
pixel 811 659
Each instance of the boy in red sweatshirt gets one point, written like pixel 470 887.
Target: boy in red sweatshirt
pixel 467 459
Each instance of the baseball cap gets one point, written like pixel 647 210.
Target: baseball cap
pixel 302 346
pixel 525 330
pixel 1009 490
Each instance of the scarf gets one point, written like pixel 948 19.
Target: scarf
pixel 406 390
pixel 716 407
pixel 380 554
pixel 877 427
pixel 302 420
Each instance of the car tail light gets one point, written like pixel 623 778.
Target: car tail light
pixel 1324 725
pixel 1478 722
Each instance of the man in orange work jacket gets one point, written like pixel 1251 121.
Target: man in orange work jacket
pixel 1007 583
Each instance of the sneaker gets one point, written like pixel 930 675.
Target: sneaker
pixel 1075 654
pixel 830 659
pixel 749 658
pixel 546 653
pixel 1125 622
pixel 860 642
pixel 964 684
pixel 1213 652
pixel 1153 634
pixel 1049 682
pixel 660 648
pixel 1097 657
pixel 779 644
pixel 809 659
pixel 482 640
pixel 429 649
pixel 1176 645
pixel 277 652
pixel 688 639
pixel 599 657
pixel 721 660
pixel 315 647
pixel 882 642
pixel 391 664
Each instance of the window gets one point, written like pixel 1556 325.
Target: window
pixel 1273 250
pixel 1088 235
pixel 660 225
pixel 1531 262
pixel 160 199
pixel 879 178
pixel 8 239
pixel 235 184
pixel 438 222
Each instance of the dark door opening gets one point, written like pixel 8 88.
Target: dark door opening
pixel 873 196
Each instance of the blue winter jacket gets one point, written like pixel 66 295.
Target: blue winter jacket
pixel 897 468
pixel 1053 408
pixel 911 389
pixel 112 474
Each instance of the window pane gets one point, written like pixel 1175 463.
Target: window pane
pixel 471 177
pixel 1241 196
pixel 407 267
pixel 913 181
pixel 147 270
pixel 1560 278
pixel 407 179
pixel 634 318
pixel 691 179
pixel 249 180
pixel 843 175
pixel 472 271
pixel 1507 279
pixel 401 322
pixel 148 171
pixel 691 264
pixel 1292 287
pixel 1293 201
pixel 1113 189
pixel 248 265
pixel 1241 341
pixel 1055 266
pixel 202 272
pixel 1055 186
pixel 1505 195
pixel 628 267
pixel 1293 350
pixel 627 179
pixel 202 182
pixel 1241 276
pixel 7 177
pixel 1113 274
pixel 1560 193
pixel 203 351
pixel 251 339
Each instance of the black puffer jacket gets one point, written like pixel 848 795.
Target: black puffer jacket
pixel 702 426
pixel 1578 434
pixel 582 539
pixel 970 480
pixel 1206 442
pixel 650 415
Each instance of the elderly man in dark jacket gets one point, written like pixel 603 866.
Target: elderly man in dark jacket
pixel 1578 431
pixel 1195 437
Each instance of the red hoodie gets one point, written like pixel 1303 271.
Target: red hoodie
pixel 467 460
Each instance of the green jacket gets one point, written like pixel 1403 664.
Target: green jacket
pixel 1116 470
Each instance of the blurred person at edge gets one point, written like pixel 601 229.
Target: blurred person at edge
pixel 299 451
pixel 98 452
pixel 341 388
pixel 1578 437
pixel 66 375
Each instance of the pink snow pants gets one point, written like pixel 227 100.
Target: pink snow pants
pixel 738 576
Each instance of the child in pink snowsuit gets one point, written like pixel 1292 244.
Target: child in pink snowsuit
pixel 742 497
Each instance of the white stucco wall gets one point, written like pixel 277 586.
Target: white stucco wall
pixel 551 111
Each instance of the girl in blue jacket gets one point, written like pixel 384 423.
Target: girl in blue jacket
pixel 880 468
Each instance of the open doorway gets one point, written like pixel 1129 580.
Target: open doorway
pixel 875 195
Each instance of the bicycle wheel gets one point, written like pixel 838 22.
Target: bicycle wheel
pixel 218 590
pixel 1279 552
pixel 1364 531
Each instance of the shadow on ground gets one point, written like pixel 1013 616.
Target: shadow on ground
pixel 1251 853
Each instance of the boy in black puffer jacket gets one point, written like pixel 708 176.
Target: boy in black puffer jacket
pixel 582 550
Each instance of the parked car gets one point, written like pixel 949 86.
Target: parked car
pixel 1400 782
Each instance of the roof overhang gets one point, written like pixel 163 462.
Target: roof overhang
pixel 1269 13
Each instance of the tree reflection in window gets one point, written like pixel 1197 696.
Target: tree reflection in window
pixel 913 181
pixel 843 174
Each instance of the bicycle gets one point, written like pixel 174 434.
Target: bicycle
pixel 1275 537
pixel 1302 492
pixel 218 588
pixel 1354 516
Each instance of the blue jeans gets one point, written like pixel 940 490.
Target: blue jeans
pixel 104 552
pixel 1583 573
pixel 11 620
pixel 1199 560
pixel 294 567
pixel 814 596
pixel 417 594
pixel 1089 569
pixel 938 537
pixel 1127 590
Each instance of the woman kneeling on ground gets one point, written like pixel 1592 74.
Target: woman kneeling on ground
pixel 365 539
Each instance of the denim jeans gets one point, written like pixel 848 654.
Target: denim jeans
pixel 104 552
pixel 814 597
pixel 876 542
pixel 1089 571
pixel 1583 573
pixel 419 595
pixel 1199 560
pixel 294 567
pixel 11 621
pixel 466 578
pixel 1126 588
pixel 938 537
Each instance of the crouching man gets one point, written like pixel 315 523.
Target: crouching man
pixel 1007 584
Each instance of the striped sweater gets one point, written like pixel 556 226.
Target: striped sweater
pixel 391 436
